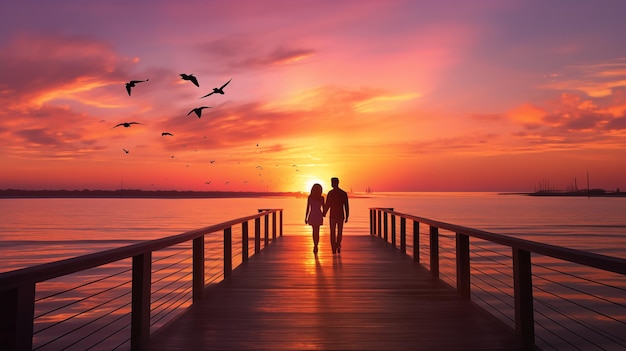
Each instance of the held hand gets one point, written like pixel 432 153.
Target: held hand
pixel 346 220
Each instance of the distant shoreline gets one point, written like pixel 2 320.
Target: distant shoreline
pixel 580 194
pixel 591 193
pixel 138 194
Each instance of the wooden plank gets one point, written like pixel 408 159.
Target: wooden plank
pixel 369 297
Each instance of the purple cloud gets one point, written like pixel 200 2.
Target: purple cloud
pixel 241 53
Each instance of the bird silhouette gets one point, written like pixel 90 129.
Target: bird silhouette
pixel 132 83
pixel 126 124
pixel 166 133
pixel 198 110
pixel 191 78
pixel 219 90
pixel 126 151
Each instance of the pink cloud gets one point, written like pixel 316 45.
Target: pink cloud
pixel 245 53
pixel 617 123
pixel 32 66
pixel 487 117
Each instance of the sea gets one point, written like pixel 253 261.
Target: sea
pixel 34 231
pixel 40 230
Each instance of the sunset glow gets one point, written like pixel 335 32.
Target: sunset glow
pixel 391 95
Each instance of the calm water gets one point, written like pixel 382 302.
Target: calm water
pixel 33 231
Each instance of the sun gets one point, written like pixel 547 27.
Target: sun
pixel 308 184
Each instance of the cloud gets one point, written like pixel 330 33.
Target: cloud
pixel 243 53
pixel 37 137
pixel 617 124
pixel 572 115
pixel 320 115
pixel 48 132
pixel 487 116
pixel 529 115
pixel 595 79
pixel 279 56
pixel 39 68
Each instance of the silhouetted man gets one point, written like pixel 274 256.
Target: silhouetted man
pixel 337 202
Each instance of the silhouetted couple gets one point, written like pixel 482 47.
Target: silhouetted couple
pixel 316 210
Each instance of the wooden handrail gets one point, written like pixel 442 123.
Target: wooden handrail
pixel 607 263
pixel 521 257
pixel 17 288
pixel 47 271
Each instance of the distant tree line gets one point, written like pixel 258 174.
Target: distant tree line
pixel 133 193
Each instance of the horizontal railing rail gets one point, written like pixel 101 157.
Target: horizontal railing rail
pixel 485 263
pixel 18 289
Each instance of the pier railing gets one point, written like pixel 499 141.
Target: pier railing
pixel 554 297
pixel 115 299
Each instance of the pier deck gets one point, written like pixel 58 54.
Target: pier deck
pixel 369 297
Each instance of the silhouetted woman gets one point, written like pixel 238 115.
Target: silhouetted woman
pixel 313 215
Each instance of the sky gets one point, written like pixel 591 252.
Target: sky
pixel 394 95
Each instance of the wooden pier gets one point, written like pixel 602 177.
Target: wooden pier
pixel 368 297
pixel 408 284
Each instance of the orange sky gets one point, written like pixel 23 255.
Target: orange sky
pixel 393 95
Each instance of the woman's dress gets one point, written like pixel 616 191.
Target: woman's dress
pixel 315 216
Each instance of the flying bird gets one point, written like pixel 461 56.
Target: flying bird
pixel 126 151
pixel 166 133
pixel 219 90
pixel 126 124
pixel 198 110
pixel 191 78
pixel 132 83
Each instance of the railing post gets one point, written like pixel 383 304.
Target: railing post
pixel 393 230
pixel 372 221
pixel 244 241
pixel 257 235
pixel 523 289
pixel 16 320
pixel 273 225
pixel 228 252
pixel 434 252
pixel 266 230
pixel 281 222
pixel 416 241
pixel 463 265
pixel 140 301
pixel 266 227
pixel 403 235
pixel 380 223
pixel 385 225
pixel 198 269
